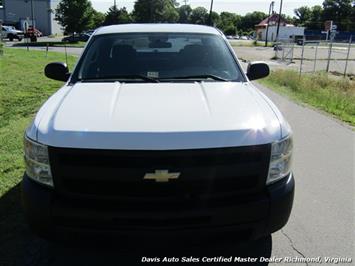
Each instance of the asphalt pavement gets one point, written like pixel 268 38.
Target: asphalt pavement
pixel 322 219
pixel 70 50
pixel 337 63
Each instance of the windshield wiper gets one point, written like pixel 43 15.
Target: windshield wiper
pixel 207 76
pixel 119 77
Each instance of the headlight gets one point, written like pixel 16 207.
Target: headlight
pixel 37 162
pixel 280 160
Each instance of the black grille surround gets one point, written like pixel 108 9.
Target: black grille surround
pixel 207 176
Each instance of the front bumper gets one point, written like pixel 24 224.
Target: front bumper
pixel 52 216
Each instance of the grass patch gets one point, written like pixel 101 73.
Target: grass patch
pixel 335 96
pixel 249 43
pixel 23 89
pixel 51 44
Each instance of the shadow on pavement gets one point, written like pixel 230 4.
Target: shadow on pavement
pixel 13 230
pixel 18 246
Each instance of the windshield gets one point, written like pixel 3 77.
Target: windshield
pixel 158 57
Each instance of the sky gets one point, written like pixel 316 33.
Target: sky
pixel 240 7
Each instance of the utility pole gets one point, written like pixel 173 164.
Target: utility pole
pixel 32 15
pixel 115 4
pixel 210 16
pixel 268 21
pixel 279 22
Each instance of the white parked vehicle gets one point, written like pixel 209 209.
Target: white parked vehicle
pixel 158 131
pixel 11 33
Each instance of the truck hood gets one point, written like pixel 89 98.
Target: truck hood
pixel 156 116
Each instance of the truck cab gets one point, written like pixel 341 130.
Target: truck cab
pixel 158 132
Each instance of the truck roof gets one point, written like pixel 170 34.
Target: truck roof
pixel 160 27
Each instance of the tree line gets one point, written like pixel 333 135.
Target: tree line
pixel 342 12
pixel 79 15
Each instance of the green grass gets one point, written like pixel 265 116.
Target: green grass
pixel 333 95
pixel 51 44
pixel 250 43
pixel 23 89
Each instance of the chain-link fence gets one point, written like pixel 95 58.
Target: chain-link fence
pixel 311 56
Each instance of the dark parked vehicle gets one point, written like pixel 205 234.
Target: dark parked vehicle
pixel 89 32
pixel 82 37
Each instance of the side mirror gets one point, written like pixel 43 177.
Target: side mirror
pixel 57 71
pixel 257 70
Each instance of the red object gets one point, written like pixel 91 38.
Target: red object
pixel 31 32
pixel 328 25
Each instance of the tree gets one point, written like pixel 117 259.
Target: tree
pixel 117 16
pixel 199 15
pixel 316 18
pixel 98 19
pixel 229 23
pixel 303 15
pixel 155 11
pixel 184 13
pixel 249 21
pixel 175 3
pixel 289 19
pixel 215 18
pixel 341 12
pixel 74 15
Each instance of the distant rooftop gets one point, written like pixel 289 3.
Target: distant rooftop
pixel 273 20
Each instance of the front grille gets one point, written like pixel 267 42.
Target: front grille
pixel 118 174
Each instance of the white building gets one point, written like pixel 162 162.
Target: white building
pixel 18 13
pixel 286 33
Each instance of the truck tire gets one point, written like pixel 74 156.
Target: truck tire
pixel 11 37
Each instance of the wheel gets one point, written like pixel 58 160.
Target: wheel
pixel 11 37
pixel 19 39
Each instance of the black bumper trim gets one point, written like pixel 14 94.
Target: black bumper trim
pixel 249 220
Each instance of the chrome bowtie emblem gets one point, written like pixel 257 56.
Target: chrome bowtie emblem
pixel 161 176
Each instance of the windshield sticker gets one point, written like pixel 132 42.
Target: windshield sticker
pixel 153 74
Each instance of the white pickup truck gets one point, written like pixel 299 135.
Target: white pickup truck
pixel 11 33
pixel 158 132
